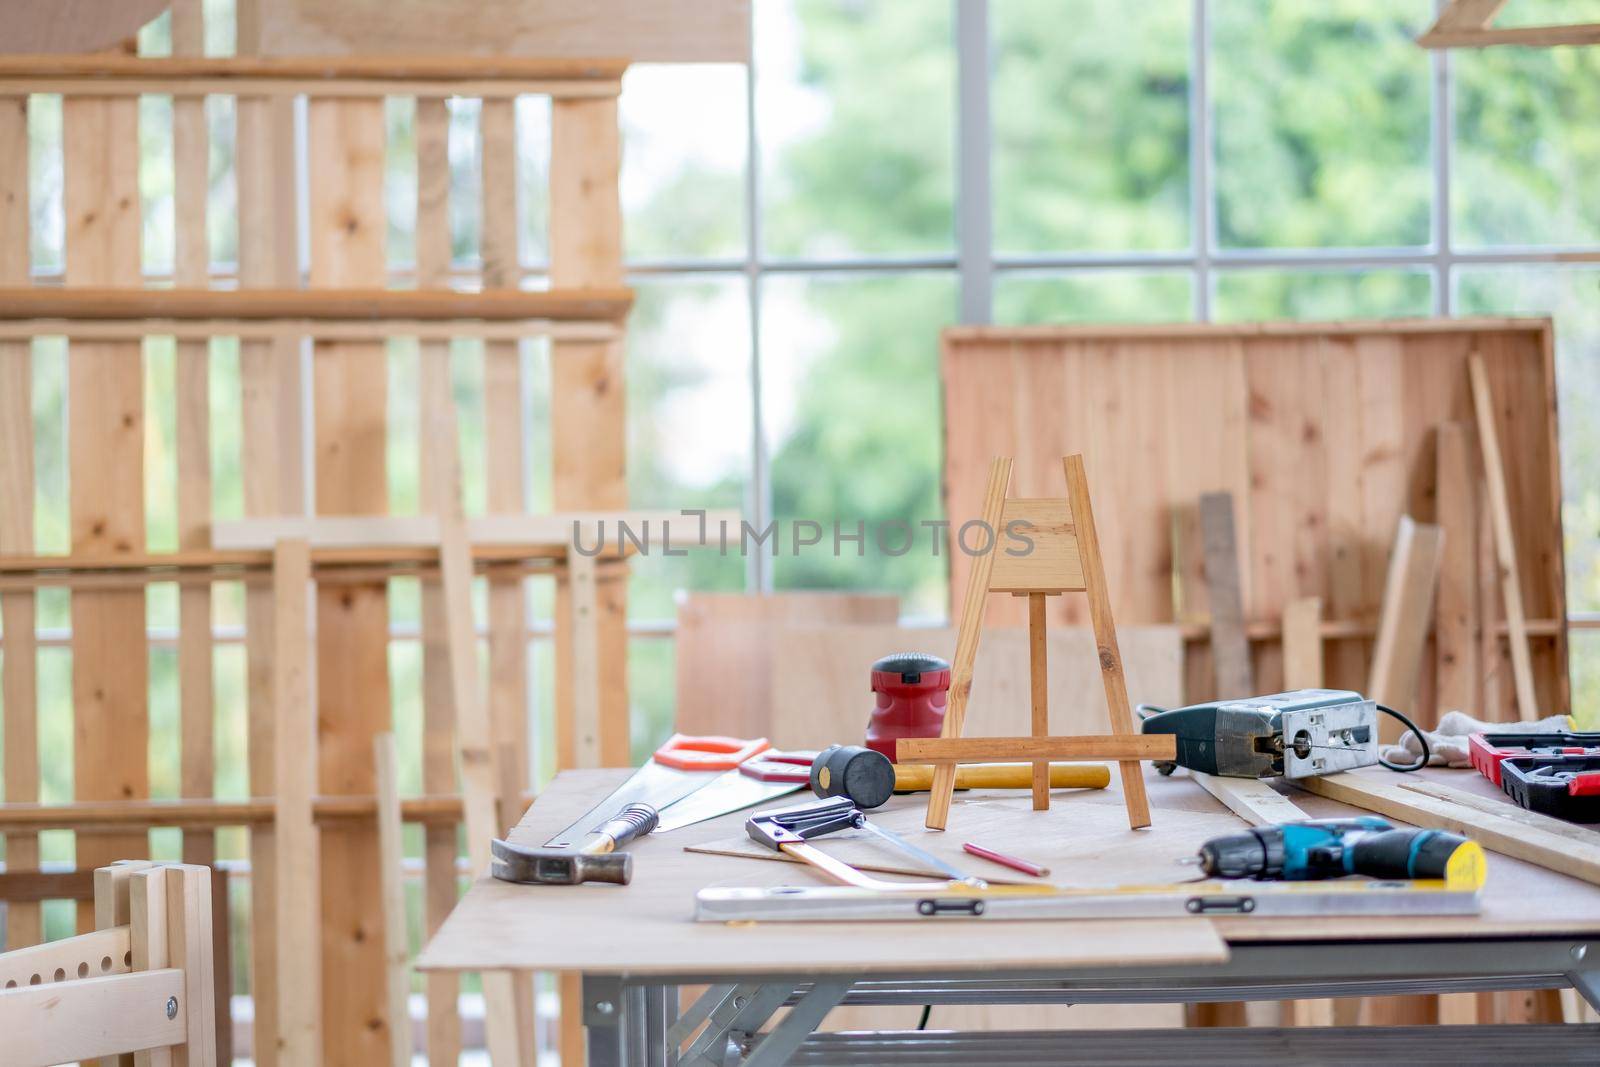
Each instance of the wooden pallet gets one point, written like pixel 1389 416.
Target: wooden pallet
pixel 345 314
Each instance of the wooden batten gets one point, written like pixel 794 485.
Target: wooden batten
pixel 18 613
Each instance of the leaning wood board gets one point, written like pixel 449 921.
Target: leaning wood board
pixel 346 145
pixel 1323 433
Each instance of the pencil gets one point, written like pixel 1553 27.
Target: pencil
pixel 1006 861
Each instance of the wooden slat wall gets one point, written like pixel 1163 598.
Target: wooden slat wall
pixel 17 610
pixel 106 430
pixel 437 461
pixel 348 226
pixel 105 442
pixel 1324 433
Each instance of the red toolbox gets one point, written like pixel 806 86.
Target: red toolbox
pixel 1489 749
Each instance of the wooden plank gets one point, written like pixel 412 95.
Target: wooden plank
pixel 729 651
pixel 588 427
pixel 1302 644
pixel 150 946
pixel 191 267
pixel 949 751
pixel 98 952
pixel 105 442
pixel 1406 616
pixel 211 814
pixel 346 140
pixel 358 302
pixel 423 531
pixel 18 616
pixel 1039 691
pixel 272 471
pixel 100 1017
pixel 967 638
pixel 299 855
pixel 1504 537
pixel 1551 847
pixel 1584 33
pixel 678 31
pixel 477 758
pixel 1105 632
pixel 291 331
pixel 395 947
pixel 64 26
pixel 437 461
pixel 1467 15
pixel 32 886
pixel 1456 620
pixel 1035 547
pixel 189 947
pixel 1253 800
pixel 1230 652
pixel 583 624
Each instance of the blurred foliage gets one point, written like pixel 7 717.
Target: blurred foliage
pixel 1091 125
pixel 1321 114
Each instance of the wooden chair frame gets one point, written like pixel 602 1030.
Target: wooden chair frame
pixel 141 982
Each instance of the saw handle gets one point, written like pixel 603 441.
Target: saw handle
pixel 686 753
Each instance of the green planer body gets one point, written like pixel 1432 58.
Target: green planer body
pixel 1296 735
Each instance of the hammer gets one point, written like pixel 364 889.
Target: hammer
pixel 596 860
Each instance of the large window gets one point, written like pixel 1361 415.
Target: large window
pixel 890 168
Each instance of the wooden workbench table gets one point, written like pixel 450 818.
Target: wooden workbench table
pixel 643 936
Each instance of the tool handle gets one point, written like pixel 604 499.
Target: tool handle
pixel 686 753
pixel 788 767
pixel 633 821
pixel 1398 854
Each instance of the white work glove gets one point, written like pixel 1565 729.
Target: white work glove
pixel 1447 742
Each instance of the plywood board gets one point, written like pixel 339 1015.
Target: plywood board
pixel 820 686
pixel 695 31
pixel 728 662
pixel 1323 433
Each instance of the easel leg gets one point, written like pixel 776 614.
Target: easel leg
pixel 1038 664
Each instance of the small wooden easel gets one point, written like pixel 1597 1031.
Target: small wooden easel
pixel 1065 557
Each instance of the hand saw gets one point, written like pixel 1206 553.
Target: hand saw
pixel 677 769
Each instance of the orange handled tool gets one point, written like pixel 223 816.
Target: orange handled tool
pixel 679 767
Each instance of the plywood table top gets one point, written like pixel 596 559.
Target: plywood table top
pixel 647 927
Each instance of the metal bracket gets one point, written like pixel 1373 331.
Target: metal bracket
pixel 775 1048
pixel 743 1011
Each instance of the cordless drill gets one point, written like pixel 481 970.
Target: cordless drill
pixel 1332 848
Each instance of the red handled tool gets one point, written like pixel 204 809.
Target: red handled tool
pixel 678 768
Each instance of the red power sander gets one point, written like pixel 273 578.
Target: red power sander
pixel 912 689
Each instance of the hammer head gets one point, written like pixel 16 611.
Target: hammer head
pixel 559 866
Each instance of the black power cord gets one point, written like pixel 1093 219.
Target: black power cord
pixel 1422 739
pixel 927 1010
